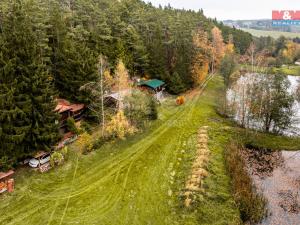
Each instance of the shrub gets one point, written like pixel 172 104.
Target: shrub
pixel 85 126
pixel 56 159
pixel 65 152
pixel 71 124
pixel 251 204
pixel 119 126
pixel 85 143
pixel 140 107
pixel 5 163
pixel 180 100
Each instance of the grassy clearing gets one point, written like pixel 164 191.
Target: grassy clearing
pixel 274 34
pixel 140 180
pixel 288 70
pixel 137 181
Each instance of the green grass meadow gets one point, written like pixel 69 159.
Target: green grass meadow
pixel 292 70
pixel 136 182
pixel 274 34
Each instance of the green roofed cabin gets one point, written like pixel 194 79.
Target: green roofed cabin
pixel 154 86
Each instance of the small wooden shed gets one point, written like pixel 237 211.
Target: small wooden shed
pixel 6 181
pixel 154 86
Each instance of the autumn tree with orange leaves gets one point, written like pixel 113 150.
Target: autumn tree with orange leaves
pixel 201 57
pixel 218 48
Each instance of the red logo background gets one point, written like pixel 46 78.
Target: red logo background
pixel 280 14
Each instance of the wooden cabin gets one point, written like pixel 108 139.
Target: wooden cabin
pixel 67 110
pixel 115 99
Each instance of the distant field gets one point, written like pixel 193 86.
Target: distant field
pixel 274 34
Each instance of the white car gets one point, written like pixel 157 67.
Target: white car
pixel 39 159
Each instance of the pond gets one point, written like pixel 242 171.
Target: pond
pixel 241 94
pixel 277 176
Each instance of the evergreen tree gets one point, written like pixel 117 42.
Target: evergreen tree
pixel 77 66
pixel 27 117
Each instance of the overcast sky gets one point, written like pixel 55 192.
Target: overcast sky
pixel 233 9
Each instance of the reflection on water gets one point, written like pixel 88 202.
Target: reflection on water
pixel 296 124
pixel 277 176
pixel 243 87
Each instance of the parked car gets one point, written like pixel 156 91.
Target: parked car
pixel 39 159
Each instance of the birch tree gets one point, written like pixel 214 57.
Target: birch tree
pixel 97 91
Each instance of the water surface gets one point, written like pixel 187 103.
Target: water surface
pixel 277 176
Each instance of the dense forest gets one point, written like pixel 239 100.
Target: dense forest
pixel 50 49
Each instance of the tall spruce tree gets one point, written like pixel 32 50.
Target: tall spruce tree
pixel 27 117
pixel 77 65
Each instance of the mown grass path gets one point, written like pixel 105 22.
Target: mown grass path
pixel 134 182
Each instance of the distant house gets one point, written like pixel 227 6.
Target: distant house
pixel 297 62
pixel 154 86
pixel 67 110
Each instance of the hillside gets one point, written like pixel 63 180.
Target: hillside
pixel 52 50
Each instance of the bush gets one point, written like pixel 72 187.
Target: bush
pixel 65 152
pixel 180 100
pixel 56 159
pixel 71 124
pixel 119 126
pixel 5 164
pixel 85 126
pixel 140 107
pixel 85 143
pixel 250 203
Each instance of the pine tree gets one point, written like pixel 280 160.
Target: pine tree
pixel 78 66
pixel 27 117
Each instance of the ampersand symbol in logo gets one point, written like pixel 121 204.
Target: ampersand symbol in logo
pixel 286 15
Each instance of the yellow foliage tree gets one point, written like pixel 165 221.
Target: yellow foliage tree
pixel 85 143
pixel 218 48
pixel 229 48
pixel 201 56
pixel 122 77
pixel 123 84
pixel 119 126
pixel 291 50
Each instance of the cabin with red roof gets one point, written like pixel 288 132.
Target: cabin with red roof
pixel 67 110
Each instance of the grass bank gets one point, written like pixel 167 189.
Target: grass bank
pixel 251 204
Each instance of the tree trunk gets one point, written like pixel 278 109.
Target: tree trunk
pixel 102 96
